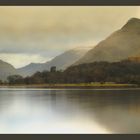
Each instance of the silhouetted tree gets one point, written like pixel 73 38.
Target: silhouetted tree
pixel 15 79
pixel 118 72
pixel 53 69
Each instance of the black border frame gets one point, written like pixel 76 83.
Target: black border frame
pixel 70 2
pixel 70 136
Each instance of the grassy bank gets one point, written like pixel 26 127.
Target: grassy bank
pixel 80 85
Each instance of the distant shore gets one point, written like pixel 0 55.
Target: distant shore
pixel 82 86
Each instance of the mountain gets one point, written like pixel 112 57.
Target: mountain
pixel 30 69
pixel 6 69
pixel 120 45
pixel 61 62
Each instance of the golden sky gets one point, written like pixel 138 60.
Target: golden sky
pixel 39 33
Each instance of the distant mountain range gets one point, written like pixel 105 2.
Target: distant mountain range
pixel 61 62
pixel 120 45
pixel 6 70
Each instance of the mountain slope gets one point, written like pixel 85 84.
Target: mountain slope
pixel 30 69
pixel 61 62
pixel 6 69
pixel 120 45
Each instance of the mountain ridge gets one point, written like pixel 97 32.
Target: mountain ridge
pixel 120 45
pixel 6 70
pixel 61 62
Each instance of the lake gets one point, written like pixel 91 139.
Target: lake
pixel 69 111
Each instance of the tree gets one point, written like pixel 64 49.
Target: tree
pixel 53 69
pixel 1 82
pixel 15 79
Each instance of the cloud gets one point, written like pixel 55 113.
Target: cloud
pixel 38 21
pixel 47 31
pixel 20 60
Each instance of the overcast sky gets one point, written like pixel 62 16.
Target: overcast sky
pixel 37 34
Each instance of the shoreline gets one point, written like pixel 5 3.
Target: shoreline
pixel 72 86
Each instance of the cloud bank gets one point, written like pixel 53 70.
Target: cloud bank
pixel 44 32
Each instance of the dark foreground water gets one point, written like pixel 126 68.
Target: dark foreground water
pixel 69 111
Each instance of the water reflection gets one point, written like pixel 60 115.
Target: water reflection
pixel 69 111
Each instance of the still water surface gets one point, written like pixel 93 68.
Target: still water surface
pixel 69 111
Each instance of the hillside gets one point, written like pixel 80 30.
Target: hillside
pixel 123 72
pixel 6 69
pixel 119 45
pixel 61 62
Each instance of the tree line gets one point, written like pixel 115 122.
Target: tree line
pixel 118 72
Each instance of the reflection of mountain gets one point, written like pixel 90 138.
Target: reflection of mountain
pixel 61 62
pixel 120 45
pixel 115 110
pixel 6 69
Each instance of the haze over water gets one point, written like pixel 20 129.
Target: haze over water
pixel 69 111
